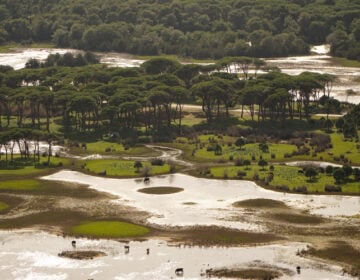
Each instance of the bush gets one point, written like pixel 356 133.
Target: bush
pixel 239 162
pixel 329 188
pixel 301 189
pixel 157 161
pixel 282 188
pixel 241 174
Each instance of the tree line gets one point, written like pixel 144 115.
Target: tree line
pixel 199 29
pixel 150 99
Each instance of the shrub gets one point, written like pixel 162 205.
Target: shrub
pixel 241 173
pixel 157 161
pixel 282 188
pixel 246 162
pixel 300 189
pixel 329 188
pixel 239 162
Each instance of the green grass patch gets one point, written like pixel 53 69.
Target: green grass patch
pixel 122 168
pixel 110 229
pixel 22 169
pixel 20 185
pixel 8 47
pixel 3 206
pixel 175 57
pixel 101 147
pixel 346 62
pixel 260 203
pixel 282 176
pixel 160 190
pixel 296 218
pixel 112 148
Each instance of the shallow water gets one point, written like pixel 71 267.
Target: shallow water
pixel 319 62
pixel 211 200
pixel 33 255
pixel 167 154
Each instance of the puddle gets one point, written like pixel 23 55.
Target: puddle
pixel 33 255
pixel 211 199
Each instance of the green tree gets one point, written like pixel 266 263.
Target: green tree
pixel 311 173
pixel 138 165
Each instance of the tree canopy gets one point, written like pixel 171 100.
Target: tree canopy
pixel 200 29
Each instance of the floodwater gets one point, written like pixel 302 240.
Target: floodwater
pixel 167 154
pixel 33 255
pixel 206 201
pixel 319 62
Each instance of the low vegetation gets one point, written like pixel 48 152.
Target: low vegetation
pixel 122 168
pixel 296 218
pixel 161 190
pixel 20 185
pixel 260 203
pixel 222 236
pixel 109 229
pixel 245 273
pixel 339 252
pixel 81 254
pixel 3 206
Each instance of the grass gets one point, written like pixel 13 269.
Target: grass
pixel 260 203
pixel 8 47
pixel 28 168
pixel 110 229
pixel 20 185
pixel 284 176
pixel 175 57
pixel 121 168
pixel 112 148
pixel 346 62
pixel 161 190
pixel 224 237
pixel 3 206
pixel 339 251
pixel 296 218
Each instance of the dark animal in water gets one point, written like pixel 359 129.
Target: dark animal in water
pixel 73 243
pixel 127 249
pixel 147 180
pixel 179 271
pixel 298 269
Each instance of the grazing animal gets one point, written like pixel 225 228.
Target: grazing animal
pixel 147 180
pixel 127 249
pixel 73 243
pixel 179 271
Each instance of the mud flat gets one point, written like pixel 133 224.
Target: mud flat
pixel 31 255
pixel 211 199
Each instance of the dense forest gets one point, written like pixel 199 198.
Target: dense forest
pixel 198 29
